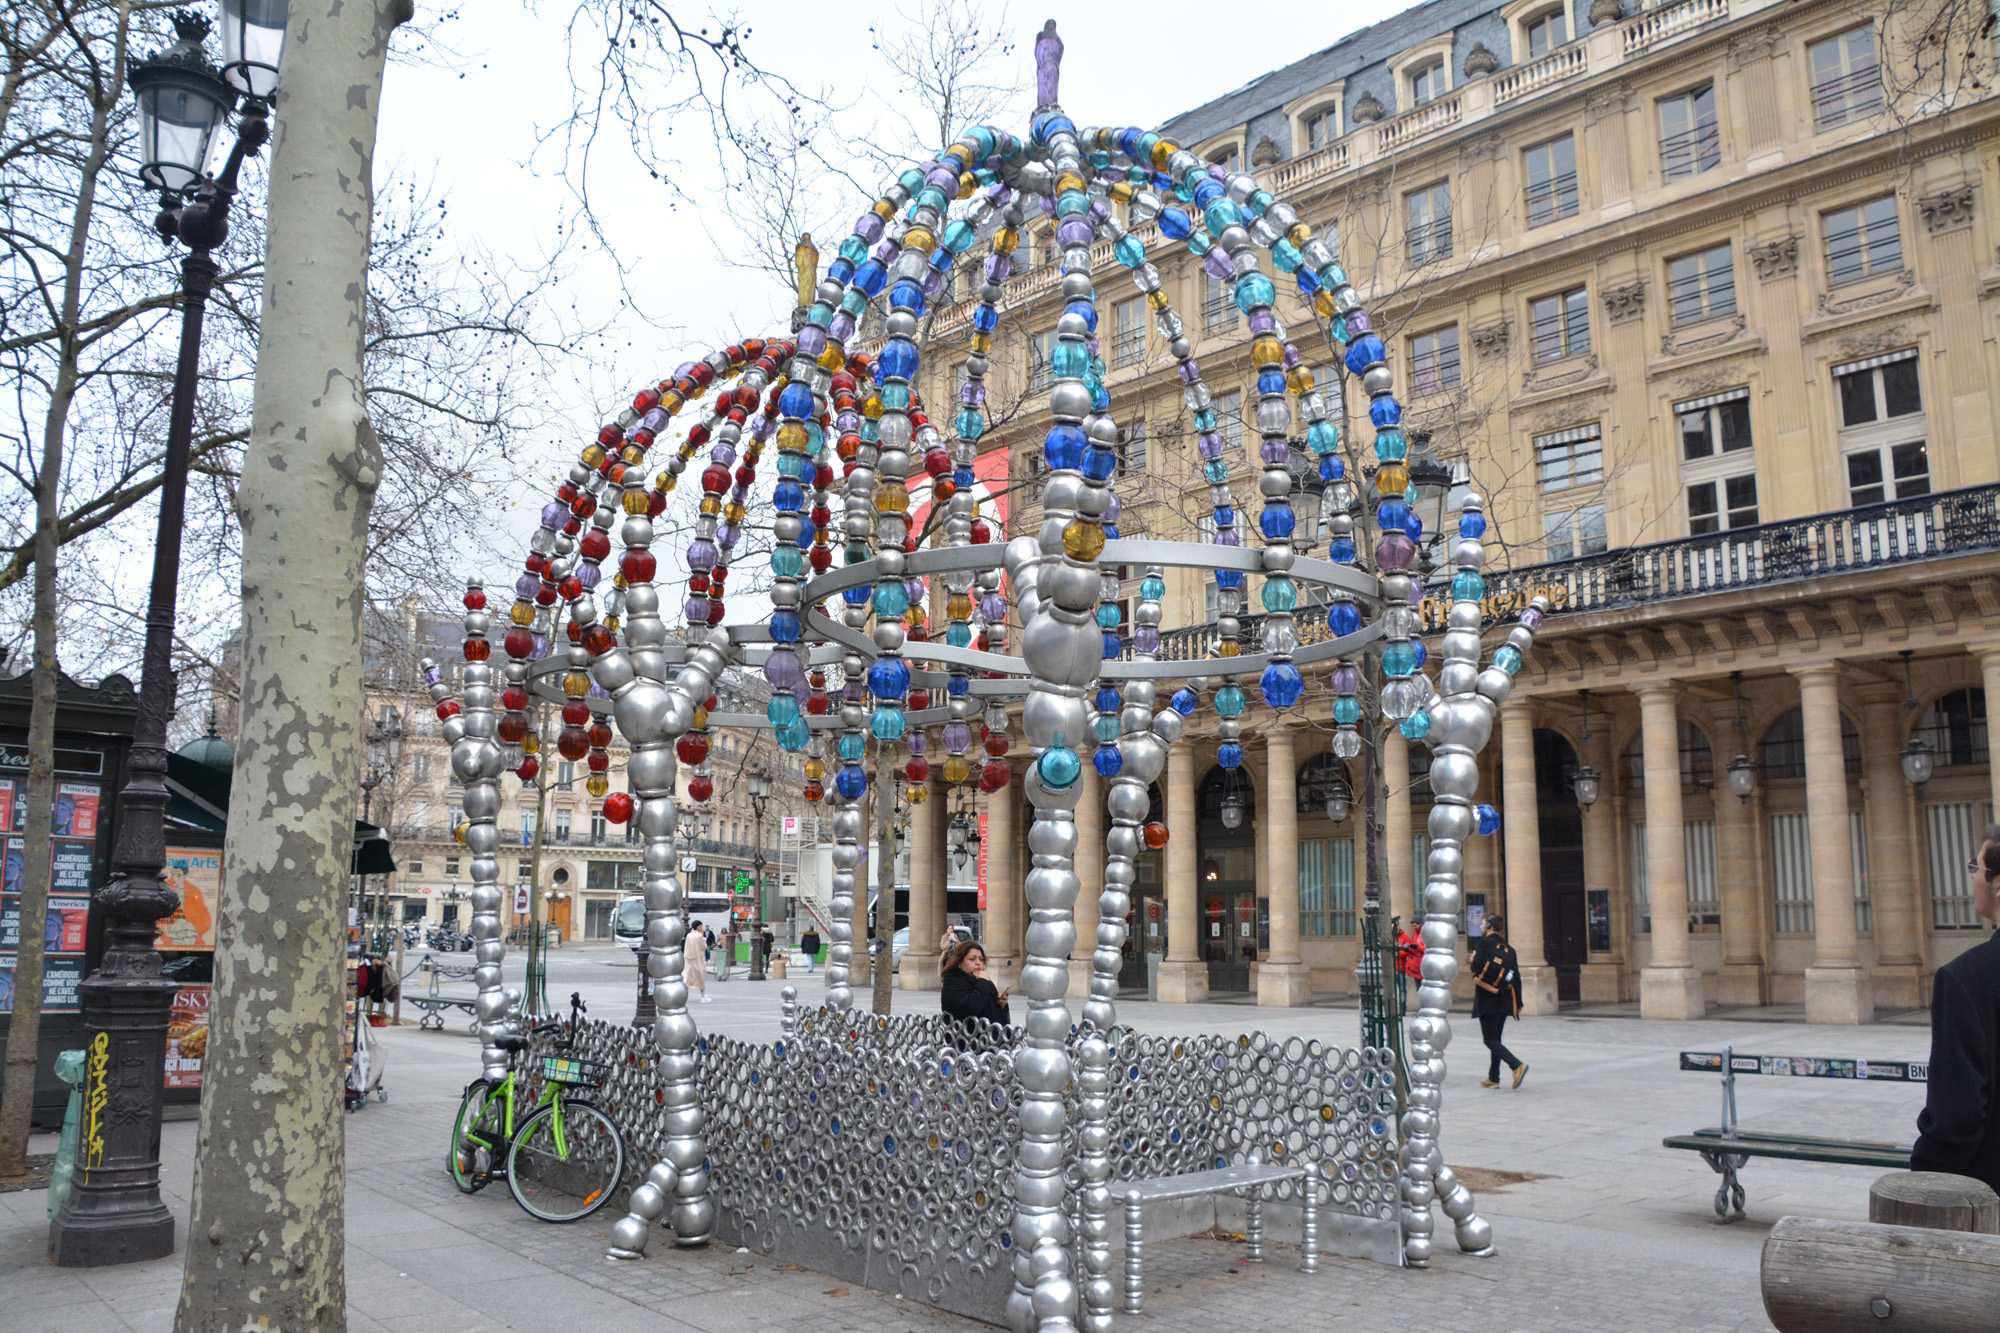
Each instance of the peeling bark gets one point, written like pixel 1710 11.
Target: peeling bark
pixel 266 1241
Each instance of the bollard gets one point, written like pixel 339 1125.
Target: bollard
pixel 1935 1201
pixel 69 1068
pixel 1844 1277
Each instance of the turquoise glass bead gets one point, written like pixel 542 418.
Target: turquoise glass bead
pixel 783 710
pixel 1107 615
pixel 969 424
pixel 1507 658
pixel 1417 725
pixel 888 724
pixel 794 736
pixel 1070 360
pixel 958 636
pixel 1391 446
pixel 1286 257
pixel 1059 767
pixel 1229 701
pixel 891 600
pixel 1152 588
pixel 1398 658
pixel 1280 594
pixel 1347 710
pixel 1129 251
pixel 1467 585
pixel 853 747
pixel 1106 727
pixel 787 561
pixel 1253 290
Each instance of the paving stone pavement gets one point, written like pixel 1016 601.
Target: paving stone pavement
pixel 1610 1233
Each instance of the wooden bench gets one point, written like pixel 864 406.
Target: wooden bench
pixel 1246 1181
pixel 1727 1149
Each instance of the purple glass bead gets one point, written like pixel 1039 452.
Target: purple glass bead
pixel 1099 210
pixel 1217 171
pixel 945 179
pixel 812 340
pixel 554 515
pixel 433 674
pixel 998 267
pixel 1227 537
pixel 972 393
pixel 1146 639
pixel 696 610
pixel 527 586
pixel 588 574
pixel 869 228
pixel 933 284
pixel 729 536
pixel 1532 618
pixel 1112 174
pixel 784 672
pixel 917 742
pixel 598 692
pixel 1263 322
pixel 1073 231
pixel 842 326
pixel 762 428
pixel 701 554
pixel 1113 508
pixel 1275 450
pixel 852 692
pixel 957 737
pixel 1292 356
pixel 725 454
pixel 1091 344
pixel 1346 679
pixel 655 420
pixel 1358 322
pixel 993 608
pixel 1395 551
pixel 847 422
pixel 1190 371
pixel 914 590
pixel 1216 264
pixel 887 251
pixel 1210 443
pixel 1001 195
pixel 541 645
pixel 1048 204
pixel 680 371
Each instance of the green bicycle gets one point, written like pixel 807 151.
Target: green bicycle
pixel 565 1159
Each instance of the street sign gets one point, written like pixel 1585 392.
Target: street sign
pixel 791 826
pixel 689 864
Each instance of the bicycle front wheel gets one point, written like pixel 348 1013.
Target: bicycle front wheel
pixel 566 1176
pixel 475 1139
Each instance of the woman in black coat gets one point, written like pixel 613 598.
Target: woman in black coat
pixel 1496 997
pixel 964 993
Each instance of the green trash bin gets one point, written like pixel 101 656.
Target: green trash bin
pixel 69 1068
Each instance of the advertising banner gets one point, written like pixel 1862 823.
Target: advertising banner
pixel 195 874
pixel 68 920
pixel 61 978
pixel 982 863
pixel 187 1037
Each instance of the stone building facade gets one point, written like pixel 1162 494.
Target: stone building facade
pixel 1702 297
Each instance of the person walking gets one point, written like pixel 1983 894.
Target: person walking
pixel 1409 959
pixel 809 945
pixel 1496 997
pixel 694 971
pixel 964 993
pixel 1958 1131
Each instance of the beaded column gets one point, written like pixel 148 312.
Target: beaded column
pixel 475 760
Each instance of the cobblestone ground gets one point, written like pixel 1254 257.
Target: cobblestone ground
pixel 1609 1232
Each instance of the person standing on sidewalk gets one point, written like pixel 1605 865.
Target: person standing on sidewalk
pixel 695 949
pixel 1496 997
pixel 1409 959
pixel 1958 1131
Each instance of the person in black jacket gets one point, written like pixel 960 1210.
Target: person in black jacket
pixel 965 994
pixel 1496 997
pixel 1958 1130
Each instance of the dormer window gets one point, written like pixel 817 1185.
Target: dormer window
pixel 1427 83
pixel 1321 129
pixel 1545 32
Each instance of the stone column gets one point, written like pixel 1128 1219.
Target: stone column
pixel 1989 673
pixel 1895 895
pixel 1671 987
pixel 919 969
pixel 1281 978
pixel 1603 976
pixel 1004 872
pixel 1090 822
pixel 1521 830
pixel 1836 983
pixel 1183 976
pixel 1739 875
pixel 1396 828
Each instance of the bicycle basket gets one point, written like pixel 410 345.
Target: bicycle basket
pixel 570 1069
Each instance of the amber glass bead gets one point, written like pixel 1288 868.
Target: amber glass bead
pixel 1156 835
pixel 1266 351
pixel 1083 540
pixel 522 614
pixel 597 784
pixel 477 650
pixel 1392 479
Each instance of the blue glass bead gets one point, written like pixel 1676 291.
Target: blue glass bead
pixel 1282 684
pixel 912 180
pixel 1347 710
pixel 907 295
pixel 1100 397
pixel 1397 658
pixel 1107 699
pixel 969 424
pixel 870 277
pixel 1108 761
pixel 1258 202
pixel 1467 586
pixel 1225 517
pixel 897 359
pixel 891 599
pixel 787 496
pixel 888 723
pixel 1229 701
pixel 1087 310
pixel 1413 527
pixel 857 596
pixel 1229 754
pixel 1343 618
pixel 794 736
pixel 1384 410
pixel 986 319
pixel 1331 468
pixel 1363 353
pixel 1099 464
pixel 1391 515
pixel 1280 594
pixel 820 316
pixel 1175 224
pixel 853 747
pixel 1206 189
pixel 1185 701
pixel 785 624
pixel 1059 767
pixel 851 783
pixel 1065 446
pixel 957 686
pixel 1270 382
pixel 889 678
pixel 964 479
pixel 1152 588
pixel 783 709
pixel 1308 282
pixel 1277 521
pixel 1508 658
pixel 1072 205
pixel 1340 550
pixel 1253 290
pixel 1416 726
pixel 840 270
pixel 1472 525
pixel 1111 647
pixel 1423 653
pixel 796 401
pixel 1228 578
pixel 1489 819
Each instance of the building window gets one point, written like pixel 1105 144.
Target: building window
pixel 1951 835
pixel 524 870
pixel 1954 726
pixel 1551 169
pixel 1728 502
pixel 1218 310
pixel 562 826
pixel 597 826
pixel 1883 435
pixel 1037 465
pixel 1132 448
pixel 1427 84
pixel 1574 533
pixel 1434 360
pixel 1784 749
pixel 1322 128
pixel 1846 77
pixel 1862 241
pixel 528 823
pixel 1718 469
pixel 1690 142
pixel 1701 286
pixel 1128 343
pixel 1229 418
pixel 565 775
pixel 1041 347
pixel 451 866
pixel 457 818
pixel 1560 325
pixel 1545 32
pixel 413 867
pixel 1429 226
pixel 1224 158
pixel 1572 457
pixel 420 767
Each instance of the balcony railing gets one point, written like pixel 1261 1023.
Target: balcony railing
pixel 1847 541
pixel 1563 63
pixel 1656 25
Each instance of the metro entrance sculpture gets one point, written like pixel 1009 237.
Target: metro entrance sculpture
pixel 888 1149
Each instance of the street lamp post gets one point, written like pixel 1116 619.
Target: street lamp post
pixel 114 1213
pixel 760 792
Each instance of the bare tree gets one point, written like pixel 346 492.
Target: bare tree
pixel 266 1243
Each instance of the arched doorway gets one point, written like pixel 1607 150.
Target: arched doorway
pixel 1560 822
pixel 1146 923
pixel 1234 923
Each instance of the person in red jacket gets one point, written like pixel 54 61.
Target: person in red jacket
pixel 1409 958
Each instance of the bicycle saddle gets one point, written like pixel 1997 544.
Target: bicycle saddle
pixel 511 1042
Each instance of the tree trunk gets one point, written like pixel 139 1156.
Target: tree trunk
pixel 266 1242
pixel 24 1030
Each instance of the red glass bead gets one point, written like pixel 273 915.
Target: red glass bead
pixel 708 704
pixel 520 643
pixel 703 374
pixel 513 728
pixel 818 704
pixel 572 744
pixel 638 566
pixel 821 558
pixel 596 544
pixel 996 743
pixel 475 599
pixel 815 793
pixel 600 762
pixel 570 588
pixel 618 807
pixel 609 434
pixel 528 769
pixel 575 632
pixel 937 463
pixel 566 494
pixel 536 563
pixel 994 777
pixel 943 489
pixel 645 401
pixel 656 504
pixel 745 475
pixel 597 640
pixel 919 699
pixel 692 747
pixel 981 532
pixel 700 789
pixel 477 650
pixel 546 594
pixel 575 712
pixel 849 446
pixel 600 734
pixel 513 698
pixel 571 528
pixel 715 613
pixel 917 770
pixel 755 347
pixel 698 435
pixel 1156 835
pixel 698 581
pixel 585 506
pixel 843 382
pixel 447 710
